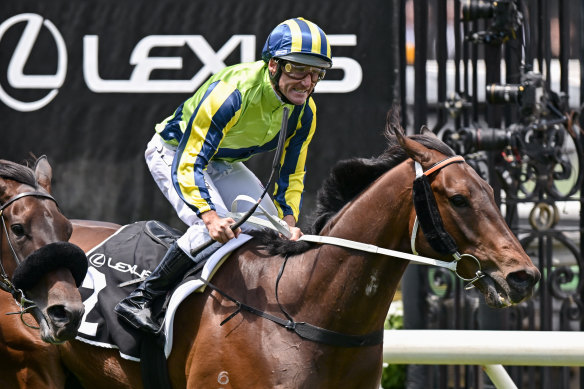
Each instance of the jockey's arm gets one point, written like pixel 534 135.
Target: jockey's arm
pixel 296 233
pixel 219 228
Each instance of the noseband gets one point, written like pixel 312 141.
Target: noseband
pixel 25 304
pixel 429 219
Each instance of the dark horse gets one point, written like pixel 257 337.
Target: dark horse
pixel 41 272
pixel 342 290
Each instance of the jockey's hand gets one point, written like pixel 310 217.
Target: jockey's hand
pixel 219 228
pixel 295 231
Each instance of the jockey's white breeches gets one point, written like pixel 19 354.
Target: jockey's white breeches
pixel 225 181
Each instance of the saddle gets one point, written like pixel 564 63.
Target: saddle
pixel 117 266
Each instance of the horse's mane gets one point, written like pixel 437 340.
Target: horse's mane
pixel 346 180
pixel 16 172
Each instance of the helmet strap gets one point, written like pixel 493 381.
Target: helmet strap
pixel 275 78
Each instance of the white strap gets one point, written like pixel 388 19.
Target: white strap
pixel 282 227
pixel 272 221
pixel 419 169
pixel 414 235
pixel 377 250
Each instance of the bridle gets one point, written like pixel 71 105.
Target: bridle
pixel 431 224
pixel 26 305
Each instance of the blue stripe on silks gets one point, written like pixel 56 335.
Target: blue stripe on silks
pixel 285 39
pixel 214 135
pixel 306 35
pixel 292 152
pixel 172 128
pixel 181 146
pixel 246 152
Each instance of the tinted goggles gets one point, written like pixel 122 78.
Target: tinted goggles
pixel 298 72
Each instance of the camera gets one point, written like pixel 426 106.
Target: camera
pixel 525 95
pixel 468 140
pixel 502 94
pixel 504 15
pixel 477 9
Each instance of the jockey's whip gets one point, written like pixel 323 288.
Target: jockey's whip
pixel 275 167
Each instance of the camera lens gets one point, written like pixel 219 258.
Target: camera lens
pixel 492 139
pixel 468 140
pixel 502 94
pixel 476 9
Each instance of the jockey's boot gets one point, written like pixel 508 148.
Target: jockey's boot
pixel 136 308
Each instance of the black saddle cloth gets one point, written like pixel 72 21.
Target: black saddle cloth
pixel 132 253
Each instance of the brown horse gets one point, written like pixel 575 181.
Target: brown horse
pixel 42 273
pixel 345 292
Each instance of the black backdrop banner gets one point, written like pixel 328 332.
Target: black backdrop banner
pixel 84 82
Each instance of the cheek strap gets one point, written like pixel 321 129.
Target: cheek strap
pixel 429 217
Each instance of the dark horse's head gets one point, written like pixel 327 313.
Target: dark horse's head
pixel 39 264
pixel 465 219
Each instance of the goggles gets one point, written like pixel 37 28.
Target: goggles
pixel 298 72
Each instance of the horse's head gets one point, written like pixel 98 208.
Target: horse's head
pixel 465 219
pixel 38 264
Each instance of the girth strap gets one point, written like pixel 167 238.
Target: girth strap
pixel 305 330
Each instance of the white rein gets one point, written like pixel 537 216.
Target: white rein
pixel 280 226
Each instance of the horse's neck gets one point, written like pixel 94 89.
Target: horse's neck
pixel 358 286
pixel 380 215
pixel 88 233
pixel 88 362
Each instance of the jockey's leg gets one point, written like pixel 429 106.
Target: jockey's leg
pixel 136 308
pixel 239 180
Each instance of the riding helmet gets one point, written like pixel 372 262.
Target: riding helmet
pixel 301 41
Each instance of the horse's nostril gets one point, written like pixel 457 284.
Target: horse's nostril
pixel 520 276
pixel 523 279
pixel 59 314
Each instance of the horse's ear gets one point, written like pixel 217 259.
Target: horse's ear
pixel 427 132
pixel 415 150
pixel 43 173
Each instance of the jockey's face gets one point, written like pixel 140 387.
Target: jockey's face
pixel 296 86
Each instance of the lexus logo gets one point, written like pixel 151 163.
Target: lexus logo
pixel 15 74
pixel 143 63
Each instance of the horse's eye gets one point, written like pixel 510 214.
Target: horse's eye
pixel 18 230
pixel 459 201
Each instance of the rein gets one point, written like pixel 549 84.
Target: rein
pixel 333 338
pixel 6 284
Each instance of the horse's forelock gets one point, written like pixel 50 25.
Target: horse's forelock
pixel 16 172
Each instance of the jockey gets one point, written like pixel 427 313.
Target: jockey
pixel 196 153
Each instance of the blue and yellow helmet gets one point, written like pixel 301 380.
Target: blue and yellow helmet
pixel 299 40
